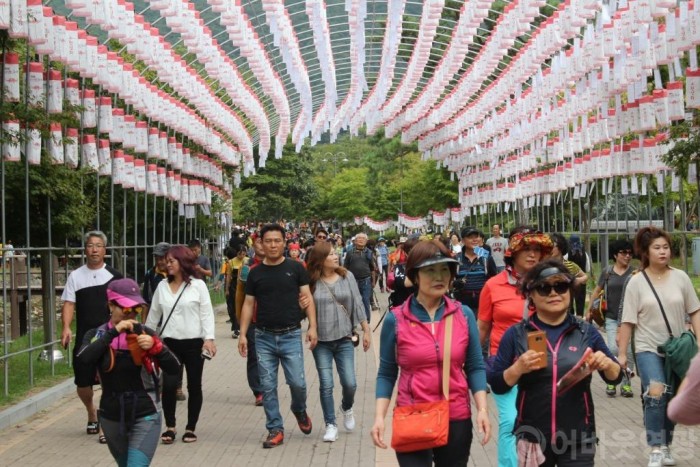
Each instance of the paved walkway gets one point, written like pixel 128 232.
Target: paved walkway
pixel 231 428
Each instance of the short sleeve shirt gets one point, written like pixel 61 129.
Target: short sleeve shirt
pixel 498 249
pixel 204 262
pixel 500 305
pixel 276 291
pixel 641 308
pixel 615 286
pixel 87 288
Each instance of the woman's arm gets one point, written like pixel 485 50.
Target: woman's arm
pixel 155 311
pixel 92 348
pixel 624 333
pixel 474 365
pixel 377 432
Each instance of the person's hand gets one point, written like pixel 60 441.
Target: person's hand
pixel 622 360
pixel 483 425
pixel 209 346
pixel 366 340
pixel 304 301
pixel 529 361
pixel 601 362
pixel 588 316
pixel 66 336
pixel 145 341
pixel 377 433
pixel 312 338
pixel 243 345
pixel 125 325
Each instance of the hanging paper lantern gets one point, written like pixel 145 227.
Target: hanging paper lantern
pixel 54 102
pixel 71 148
pixel 139 175
pixel 103 156
pixel 105 123
pixel 89 117
pixel 89 158
pixel 35 93
pixel 10 146
pixel 692 88
pixel 676 109
pixel 56 144
pixel 11 75
pixel 118 167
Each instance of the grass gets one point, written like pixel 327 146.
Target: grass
pixel 19 386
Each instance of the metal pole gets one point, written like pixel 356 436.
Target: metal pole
pixel 5 314
pixel 26 225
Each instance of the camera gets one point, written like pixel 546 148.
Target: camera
pixel 137 329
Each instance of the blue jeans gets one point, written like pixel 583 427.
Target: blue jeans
pixel 273 349
pixel 507 412
pixel 611 334
pixel 365 286
pixel 658 427
pixel 343 353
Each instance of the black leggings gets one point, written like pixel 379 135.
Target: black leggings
pixel 189 352
pixel 454 454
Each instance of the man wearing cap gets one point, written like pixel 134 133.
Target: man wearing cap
pixel 475 268
pixel 85 297
pixel 155 274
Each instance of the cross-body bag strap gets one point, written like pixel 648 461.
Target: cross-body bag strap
pixel 663 313
pixel 446 359
pixel 172 310
pixel 352 320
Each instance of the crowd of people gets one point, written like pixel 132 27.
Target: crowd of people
pixel 520 328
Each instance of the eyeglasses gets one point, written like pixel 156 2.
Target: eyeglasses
pixel 95 245
pixel 321 237
pixel 625 252
pixel 544 290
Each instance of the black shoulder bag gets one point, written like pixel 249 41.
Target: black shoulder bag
pixel 172 311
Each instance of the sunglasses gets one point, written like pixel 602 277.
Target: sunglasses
pixel 625 252
pixel 544 290
pixel 135 309
pixel 321 237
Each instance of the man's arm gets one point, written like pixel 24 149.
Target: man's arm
pixel 67 313
pixel 246 317
pixel 311 333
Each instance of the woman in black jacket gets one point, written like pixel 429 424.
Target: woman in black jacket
pixel 554 425
pixel 128 358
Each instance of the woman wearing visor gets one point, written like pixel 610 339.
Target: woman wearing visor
pixel 500 307
pixel 410 334
pixel 555 422
pixel 128 357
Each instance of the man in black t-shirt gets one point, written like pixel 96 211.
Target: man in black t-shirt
pixel 275 286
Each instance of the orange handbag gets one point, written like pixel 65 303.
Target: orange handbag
pixel 425 425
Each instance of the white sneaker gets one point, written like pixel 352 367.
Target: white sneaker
pixel 348 418
pixel 656 459
pixel 668 458
pixel 331 433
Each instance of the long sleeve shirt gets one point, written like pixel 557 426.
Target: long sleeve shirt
pixel 193 316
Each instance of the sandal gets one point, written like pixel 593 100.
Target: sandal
pixel 168 437
pixel 102 439
pixel 93 428
pixel 189 437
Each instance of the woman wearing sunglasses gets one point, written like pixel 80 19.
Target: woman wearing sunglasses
pixel 500 307
pixel 553 426
pixel 128 357
pixel 184 304
pixel 611 284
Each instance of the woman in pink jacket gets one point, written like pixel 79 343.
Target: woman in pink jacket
pixel 411 333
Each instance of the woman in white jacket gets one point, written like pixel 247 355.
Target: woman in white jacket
pixel 184 305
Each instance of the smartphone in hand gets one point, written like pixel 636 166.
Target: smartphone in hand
pixel 537 341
